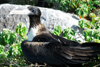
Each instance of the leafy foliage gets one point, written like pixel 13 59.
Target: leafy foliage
pixel 92 35
pixel 81 7
pixel 3 55
pixel 21 29
pixel 7 37
pixel 68 33
pixel 91 32
pixel 14 51
pixel 82 10
pixel 86 6
pixel 56 30
pixel 94 24
pixel 70 4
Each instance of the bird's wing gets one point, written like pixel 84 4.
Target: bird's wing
pixel 58 54
pixel 76 54
pixel 39 52
pixel 32 47
pixel 64 41
pixel 58 50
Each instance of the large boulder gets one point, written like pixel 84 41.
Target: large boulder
pixel 49 18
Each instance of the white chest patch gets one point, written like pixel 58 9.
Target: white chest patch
pixel 32 33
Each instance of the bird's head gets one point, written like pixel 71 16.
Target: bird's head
pixel 30 11
pixel 33 12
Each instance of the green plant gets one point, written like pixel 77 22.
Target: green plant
pixel 7 37
pixel 91 4
pixel 91 32
pixel 14 53
pixel 86 6
pixel 69 33
pixel 93 24
pixel 70 4
pixel 21 30
pixel 84 24
pixel 3 55
pixel 82 10
pixel 56 30
pixel 92 35
pixel 81 7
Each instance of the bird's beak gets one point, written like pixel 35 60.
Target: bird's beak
pixel 20 11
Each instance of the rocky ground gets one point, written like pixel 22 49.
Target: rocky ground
pixel 49 18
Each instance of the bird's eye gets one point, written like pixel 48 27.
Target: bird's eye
pixel 32 10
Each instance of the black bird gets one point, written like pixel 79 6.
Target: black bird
pixel 44 47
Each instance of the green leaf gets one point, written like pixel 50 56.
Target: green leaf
pixel 92 16
pixel 1 48
pixel 82 10
pixel 7 37
pixel 80 23
pixel 16 51
pixel 57 30
pixel 69 33
pixel 21 30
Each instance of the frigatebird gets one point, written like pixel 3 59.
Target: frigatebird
pixel 44 47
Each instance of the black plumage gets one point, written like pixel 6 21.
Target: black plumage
pixel 56 53
pixel 55 50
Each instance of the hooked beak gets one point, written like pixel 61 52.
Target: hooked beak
pixel 24 11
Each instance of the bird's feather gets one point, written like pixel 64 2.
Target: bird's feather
pixel 54 52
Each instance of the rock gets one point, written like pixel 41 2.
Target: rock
pixel 49 18
pixel 7 21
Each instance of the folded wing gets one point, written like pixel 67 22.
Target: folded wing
pixel 54 53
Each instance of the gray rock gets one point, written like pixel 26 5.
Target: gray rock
pixel 49 18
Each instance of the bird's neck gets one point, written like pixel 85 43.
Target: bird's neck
pixel 34 21
pixel 36 28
